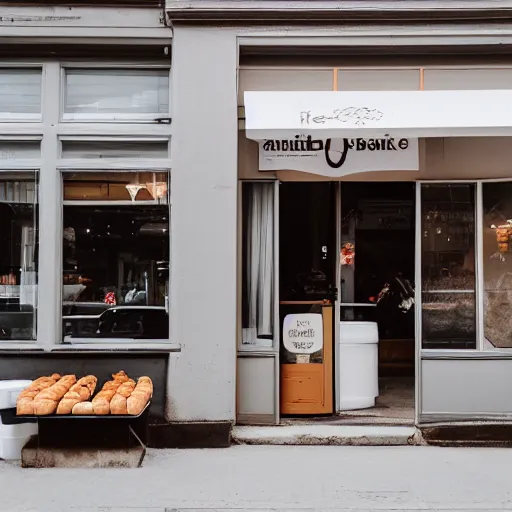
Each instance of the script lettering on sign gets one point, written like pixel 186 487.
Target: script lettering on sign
pixel 357 116
pixel 303 333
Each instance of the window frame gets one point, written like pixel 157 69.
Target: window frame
pixel 37 173
pixel 62 170
pixel 419 271
pixel 18 117
pixel 49 129
pixel 252 346
pixel 481 347
pixel 66 117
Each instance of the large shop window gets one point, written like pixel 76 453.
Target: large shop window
pixel 116 250
pixel 114 94
pixel 448 266
pixel 19 254
pixel 258 264
pixel 497 263
pixel 20 93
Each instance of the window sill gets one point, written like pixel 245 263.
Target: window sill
pixel 10 348
pixel 251 349
pixel 19 347
pixel 117 347
pixel 443 354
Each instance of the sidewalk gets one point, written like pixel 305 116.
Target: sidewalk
pixel 277 478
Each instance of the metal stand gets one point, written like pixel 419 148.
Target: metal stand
pixel 108 432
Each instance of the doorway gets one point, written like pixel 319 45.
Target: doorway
pixel 377 285
pixel 307 297
pixel 347 253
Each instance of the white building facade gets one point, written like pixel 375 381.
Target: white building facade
pixel 124 162
pixel 224 50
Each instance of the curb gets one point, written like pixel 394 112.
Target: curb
pixel 327 435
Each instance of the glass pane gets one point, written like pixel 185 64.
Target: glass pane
pixel 19 150
pixel 497 263
pixel 448 266
pixel 116 271
pixel 116 186
pixel 19 255
pixel 20 91
pixel 258 264
pixel 114 149
pixel 377 256
pixel 123 91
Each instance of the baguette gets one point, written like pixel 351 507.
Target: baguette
pixel 83 408
pixel 79 392
pixel 140 396
pixel 47 400
pixel 118 404
pixel 101 402
pixel 25 401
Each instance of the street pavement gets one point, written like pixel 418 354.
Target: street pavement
pixel 274 478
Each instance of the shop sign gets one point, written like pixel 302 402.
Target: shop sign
pixel 338 157
pixel 303 333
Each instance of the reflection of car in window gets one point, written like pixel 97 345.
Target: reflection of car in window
pixel 143 322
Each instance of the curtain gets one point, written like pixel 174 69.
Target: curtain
pixel 260 265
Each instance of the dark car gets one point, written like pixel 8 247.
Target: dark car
pixel 137 322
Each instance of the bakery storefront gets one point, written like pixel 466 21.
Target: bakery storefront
pixel 376 222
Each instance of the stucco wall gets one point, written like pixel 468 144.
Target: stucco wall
pixel 203 225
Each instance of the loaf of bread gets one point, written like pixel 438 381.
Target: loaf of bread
pixel 118 404
pixel 83 408
pixel 79 392
pixel 140 396
pixel 25 401
pixel 101 402
pixel 46 401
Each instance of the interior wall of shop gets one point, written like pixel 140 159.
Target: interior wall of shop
pixel 452 386
pixel 203 225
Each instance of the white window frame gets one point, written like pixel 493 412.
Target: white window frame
pixel 125 163
pixel 4 169
pixel 109 170
pixel 36 117
pixel 479 275
pixel 50 128
pixel 106 117
pixel 252 346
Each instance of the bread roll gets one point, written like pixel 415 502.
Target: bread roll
pixel 25 401
pixel 140 396
pixel 118 404
pixel 47 400
pixel 79 392
pixel 101 402
pixel 83 408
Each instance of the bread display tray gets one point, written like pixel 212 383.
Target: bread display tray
pixel 86 416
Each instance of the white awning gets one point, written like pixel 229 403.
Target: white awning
pixel 376 114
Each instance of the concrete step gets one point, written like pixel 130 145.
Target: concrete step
pixel 337 435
